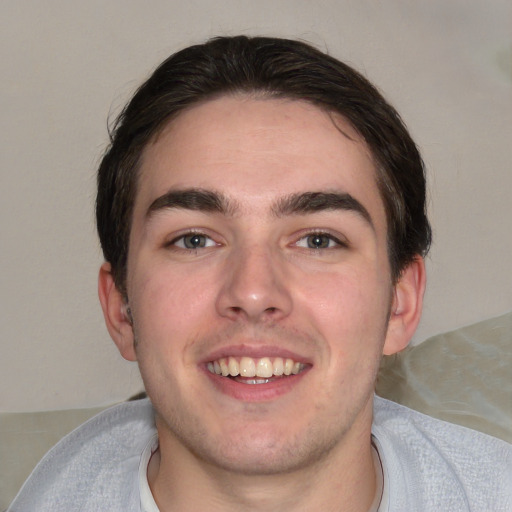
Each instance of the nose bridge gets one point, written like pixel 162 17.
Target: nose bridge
pixel 254 284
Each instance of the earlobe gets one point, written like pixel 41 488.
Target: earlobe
pixel 116 312
pixel 406 306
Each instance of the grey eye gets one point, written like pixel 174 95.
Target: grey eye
pixel 318 241
pixel 194 241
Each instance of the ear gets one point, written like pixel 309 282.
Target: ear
pixel 116 313
pixel 406 306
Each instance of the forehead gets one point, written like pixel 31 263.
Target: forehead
pixel 255 150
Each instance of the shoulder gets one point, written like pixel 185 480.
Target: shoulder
pixel 94 466
pixel 440 466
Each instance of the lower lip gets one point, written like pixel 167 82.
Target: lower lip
pixel 255 392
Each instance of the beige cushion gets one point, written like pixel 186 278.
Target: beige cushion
pixel 462 376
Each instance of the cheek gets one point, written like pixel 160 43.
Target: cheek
pixel 169 307
pixel 350 308
pixel 169 316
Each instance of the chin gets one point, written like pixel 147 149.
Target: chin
pixel 266 451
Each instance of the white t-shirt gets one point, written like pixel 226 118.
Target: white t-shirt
pixel 428 465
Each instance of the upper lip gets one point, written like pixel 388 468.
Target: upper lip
pixel 256 352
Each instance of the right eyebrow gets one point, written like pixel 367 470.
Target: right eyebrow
pixel 311 202
pixel 192 199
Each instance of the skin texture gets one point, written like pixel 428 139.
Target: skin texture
pixel 257 288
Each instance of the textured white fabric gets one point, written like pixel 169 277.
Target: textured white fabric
pixel 94 468
pixel 429 465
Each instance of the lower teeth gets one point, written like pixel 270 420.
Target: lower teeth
pixel 253 381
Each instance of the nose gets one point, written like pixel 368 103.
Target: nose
pixel 254 287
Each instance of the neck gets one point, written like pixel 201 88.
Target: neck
pixel 344 479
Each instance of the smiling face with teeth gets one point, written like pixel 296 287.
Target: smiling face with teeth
pixel 259 287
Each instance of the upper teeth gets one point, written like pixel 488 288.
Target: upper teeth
pixel 249 367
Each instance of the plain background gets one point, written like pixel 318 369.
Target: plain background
pixel 67 66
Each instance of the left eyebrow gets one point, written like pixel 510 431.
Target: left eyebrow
pixel 311 202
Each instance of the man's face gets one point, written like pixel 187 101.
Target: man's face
pixel 234 267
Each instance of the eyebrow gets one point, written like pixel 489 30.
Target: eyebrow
pixel 193 199
pixel 311 202
pixel 294 204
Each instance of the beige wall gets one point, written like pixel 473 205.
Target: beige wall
pixel 446 65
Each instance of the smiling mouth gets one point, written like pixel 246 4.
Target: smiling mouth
pixel 248 370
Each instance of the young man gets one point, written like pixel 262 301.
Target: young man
pixel 261 210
